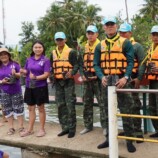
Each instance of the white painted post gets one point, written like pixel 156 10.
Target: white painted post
pixel 113 127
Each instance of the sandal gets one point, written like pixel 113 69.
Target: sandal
pixel 11 131
pixel 26 133
pixel 21 129
pixel 41 133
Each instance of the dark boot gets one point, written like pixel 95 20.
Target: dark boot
pixel 71 134
pixel 140 141
pixel 63 133
pixel 121 134
pixel 103 145
pixel 154 135
pixel 130 147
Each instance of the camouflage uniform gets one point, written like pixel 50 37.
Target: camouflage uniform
pixel 113 63
pixel 139 55
pixel 91 88
pixel 136 106
pixel 136 110
pixel 66 98
pixel 152 76
pixel 153 103
pixel 124 103
pixel 137 74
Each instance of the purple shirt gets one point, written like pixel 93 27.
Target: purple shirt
pixel 5 71
pixel 37 67
pixel 1 154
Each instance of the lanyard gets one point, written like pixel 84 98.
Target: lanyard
pixel 151 51
pixel 132 39
pixel 112 41
pixel 60 53
pixel 91 48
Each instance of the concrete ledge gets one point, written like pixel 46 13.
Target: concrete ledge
pixel 51 143
pixel 79 146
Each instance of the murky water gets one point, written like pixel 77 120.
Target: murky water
pixel 13 152
pixel 51 114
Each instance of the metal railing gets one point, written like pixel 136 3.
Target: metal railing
pixel 112 113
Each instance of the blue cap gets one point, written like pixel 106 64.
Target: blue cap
pixel 125 27
pixel 154 29
pixel 92 28
pixel 109 19
pixel 60 35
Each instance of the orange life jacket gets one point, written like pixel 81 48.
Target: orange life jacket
pixel 89 56
pixel 153 57
pixel 113 62
pixel 61 64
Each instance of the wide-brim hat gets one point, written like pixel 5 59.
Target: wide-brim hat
pixel 4 50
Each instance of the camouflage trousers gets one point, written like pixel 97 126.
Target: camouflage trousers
pixel 125 104
pixel 153 103
pixel 66 100
pixel 136 110
pixel 90 89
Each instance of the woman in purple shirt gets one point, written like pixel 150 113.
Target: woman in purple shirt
pixel 10 90
pixel 36 70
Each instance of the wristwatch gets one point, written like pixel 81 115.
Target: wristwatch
pixel 126 77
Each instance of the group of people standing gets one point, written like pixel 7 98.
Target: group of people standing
pixel 36 71
pixel 117 61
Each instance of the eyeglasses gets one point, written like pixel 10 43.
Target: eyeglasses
pixel 110 24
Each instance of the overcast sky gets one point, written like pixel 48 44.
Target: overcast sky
pixel 17 11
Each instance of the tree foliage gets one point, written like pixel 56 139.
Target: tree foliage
pixel 69 16
pixel 26 51
pixel 27 33
pixel 150 8
pixel 73 16
pixel 143 22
